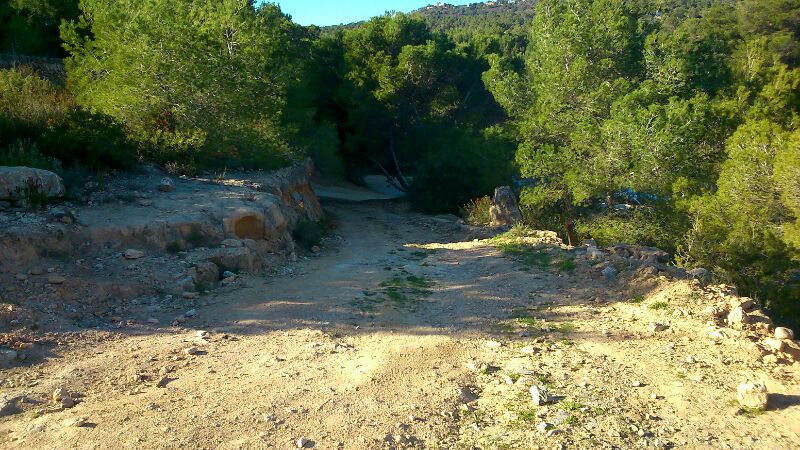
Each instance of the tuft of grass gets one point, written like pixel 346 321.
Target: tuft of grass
pixel 565 327
pixel 567 265
pixel 637 299
pixel 744 410
pixel 476 212
pixel 526 416
pixel 525 254
pixel 514 376
pixel 658 306
pixel 572 405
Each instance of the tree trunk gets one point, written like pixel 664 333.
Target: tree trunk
pixel 569 224
pixel 401 180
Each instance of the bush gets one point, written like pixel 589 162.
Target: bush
pixel 477 212
pixel 90 139
pixel 24 152
pixel 459 166
pixel 308 233
pixel 648 226
pixel 27 104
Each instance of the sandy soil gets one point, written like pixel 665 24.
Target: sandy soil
pixel 400 334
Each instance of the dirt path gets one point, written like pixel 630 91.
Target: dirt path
pixel 400 334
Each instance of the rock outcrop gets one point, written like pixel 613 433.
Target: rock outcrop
pixel 178 240
pixel 19 183
pixel 505 210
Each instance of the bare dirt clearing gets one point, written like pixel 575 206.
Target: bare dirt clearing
pixel 405 333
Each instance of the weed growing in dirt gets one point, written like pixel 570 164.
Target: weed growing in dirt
pixel 637 299
pixel 572 405
pixel 564 327
pixel 503 328
pixel 514 376
pixel 527 416
pixel 403 292
pixel 566 265
pixel 659 306
pixel 525 254
pixel 744 410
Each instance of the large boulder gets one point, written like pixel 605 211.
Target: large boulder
pixel 505 210
pixel 18 183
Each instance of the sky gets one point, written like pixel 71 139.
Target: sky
pixel 335 12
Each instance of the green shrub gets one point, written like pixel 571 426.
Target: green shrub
pixel 477 212
pixel 25 152
pixel 90 139
pixel 459 165
pixel 308 233
pixel 27 104
pixel 640 226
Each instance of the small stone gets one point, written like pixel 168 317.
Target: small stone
pixel 191 351
pixel 152 320
pixel 655 327
pixel 190 295
pixel 773 344
pixel 190 313
pixel 610 273
pixel 56 279
pixel 166 185
pixel 753 395
pixel 60 393
pixel 539 395
pixel 637 383
pixel 76 422
pixel 493 344
pixel 746 303
pixel 304 443
pixel 737 317
pixel 228 274
pixel 133 254
pixel 315 249
pixel 784 333
pixel 61 396
pixel 544 427
pixel 21 276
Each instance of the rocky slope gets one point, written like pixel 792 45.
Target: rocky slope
pixel 146 236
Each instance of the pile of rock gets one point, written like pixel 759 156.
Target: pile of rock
pixel 727 310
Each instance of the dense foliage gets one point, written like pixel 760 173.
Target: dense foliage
pixel 408 102
pixel 203 82
pixel 31 27
pixel 673 123
pixel 689 113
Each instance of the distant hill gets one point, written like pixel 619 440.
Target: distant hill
pixel 493 26
pixel 476 17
